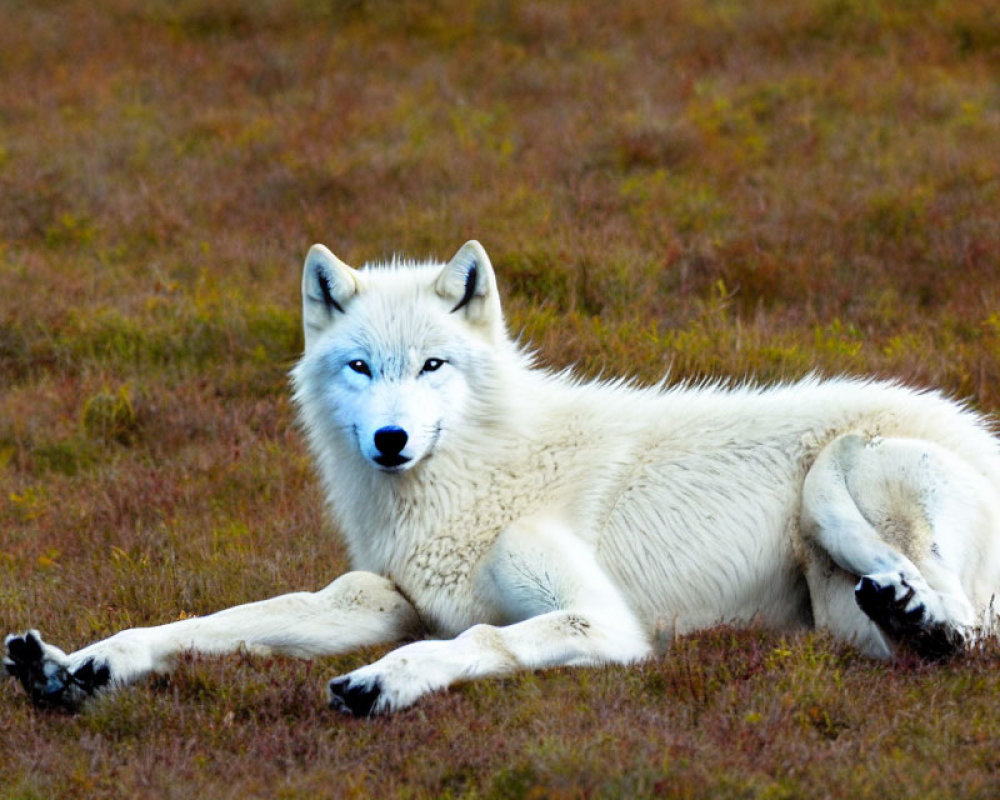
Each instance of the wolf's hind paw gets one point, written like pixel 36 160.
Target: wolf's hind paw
pixel 44 673
pixel 889 604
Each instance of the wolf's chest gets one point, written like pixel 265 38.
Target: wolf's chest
pixel 437 576
pixel 438 543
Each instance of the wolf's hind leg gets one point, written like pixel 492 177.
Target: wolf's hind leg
pixel 356 610
pixel 563 607
pixel 897 516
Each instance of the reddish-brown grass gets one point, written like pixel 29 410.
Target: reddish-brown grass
pixel 724 189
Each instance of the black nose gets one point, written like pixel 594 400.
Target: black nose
pixel 390 441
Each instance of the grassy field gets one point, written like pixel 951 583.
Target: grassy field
pixel 714 187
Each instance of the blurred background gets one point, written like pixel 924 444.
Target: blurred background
pixel 825 170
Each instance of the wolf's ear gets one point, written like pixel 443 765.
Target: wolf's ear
pixel 467 282
pixel 328 284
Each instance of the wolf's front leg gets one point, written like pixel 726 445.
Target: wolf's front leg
pixel 356 610
pixel 570 613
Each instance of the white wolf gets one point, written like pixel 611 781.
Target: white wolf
pixel 540 520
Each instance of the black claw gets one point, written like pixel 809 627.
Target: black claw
pixel 89 679
pixel 25 649
pixel 938 643
pixel 907 596
pixel 358 700
pixel 916 615
pixel 84 676
pixel 880 604
pixel 102 676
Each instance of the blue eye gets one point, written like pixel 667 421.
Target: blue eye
pixel 360 367
pixel 432 365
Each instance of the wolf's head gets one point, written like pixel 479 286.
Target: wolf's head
pixel 395 353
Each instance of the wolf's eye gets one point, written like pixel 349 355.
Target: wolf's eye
pixel 360 367
pixel 432 365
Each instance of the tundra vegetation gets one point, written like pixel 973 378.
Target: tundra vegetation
pixel 716 188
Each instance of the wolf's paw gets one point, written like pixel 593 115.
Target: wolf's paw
pixel 395 681
pixel 45 673
pixel 913 614
pixel 351 696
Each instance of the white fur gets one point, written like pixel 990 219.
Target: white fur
pixel 540 520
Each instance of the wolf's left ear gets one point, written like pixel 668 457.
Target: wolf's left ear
pixel 328 284
pixel 468 283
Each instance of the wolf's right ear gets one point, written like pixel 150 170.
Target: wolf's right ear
pixel 467 282
pixel 328 284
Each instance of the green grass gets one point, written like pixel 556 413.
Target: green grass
pixel 714 188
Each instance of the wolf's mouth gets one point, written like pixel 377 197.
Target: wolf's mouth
pixel 391 461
